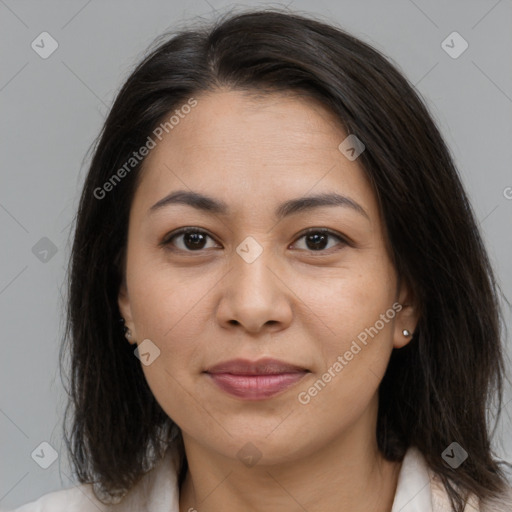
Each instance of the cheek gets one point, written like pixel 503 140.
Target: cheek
pixel 353 308
pixel 348 299
pixel 169 307
pixel 165 300
pixel 172 314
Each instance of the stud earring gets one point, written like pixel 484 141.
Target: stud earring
pixel 406 333
pixel 127 333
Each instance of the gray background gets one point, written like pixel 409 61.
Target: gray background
pixel 53 108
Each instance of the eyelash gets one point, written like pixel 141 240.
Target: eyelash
pixel 167 241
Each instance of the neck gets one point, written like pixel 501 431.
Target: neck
pixel 348 473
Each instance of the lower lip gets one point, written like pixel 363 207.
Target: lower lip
pixel 255 387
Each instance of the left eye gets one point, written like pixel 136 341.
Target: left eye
pixel 317 239
pixel 193 239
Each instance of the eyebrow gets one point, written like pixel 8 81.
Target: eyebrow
pixel 292 206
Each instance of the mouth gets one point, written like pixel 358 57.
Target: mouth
pixel 255 380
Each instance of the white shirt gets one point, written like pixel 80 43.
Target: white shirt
pixel 418 490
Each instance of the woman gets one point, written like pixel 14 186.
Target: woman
pixel 309 320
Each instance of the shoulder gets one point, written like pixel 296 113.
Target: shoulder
pixel 420 489
pixel 156 491
pixel 78 498
pixel 441 501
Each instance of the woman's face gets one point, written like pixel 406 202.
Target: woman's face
pixel 247 284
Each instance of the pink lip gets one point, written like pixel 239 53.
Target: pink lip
pixel 255 380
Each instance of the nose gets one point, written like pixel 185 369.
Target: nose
pixel 254 296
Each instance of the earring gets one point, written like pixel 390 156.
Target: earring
pixel 127 333
pixel 406 333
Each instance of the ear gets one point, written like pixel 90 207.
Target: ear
pixel 123 301
pixel 407 316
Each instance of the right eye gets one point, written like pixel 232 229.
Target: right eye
pixel 192 239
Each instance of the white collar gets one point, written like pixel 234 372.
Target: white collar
pixel 413 492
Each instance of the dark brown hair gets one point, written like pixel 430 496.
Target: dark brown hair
pixel 436 389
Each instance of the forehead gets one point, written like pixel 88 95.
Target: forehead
pixel 252 149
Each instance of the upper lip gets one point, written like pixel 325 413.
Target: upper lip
pixel 265 366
